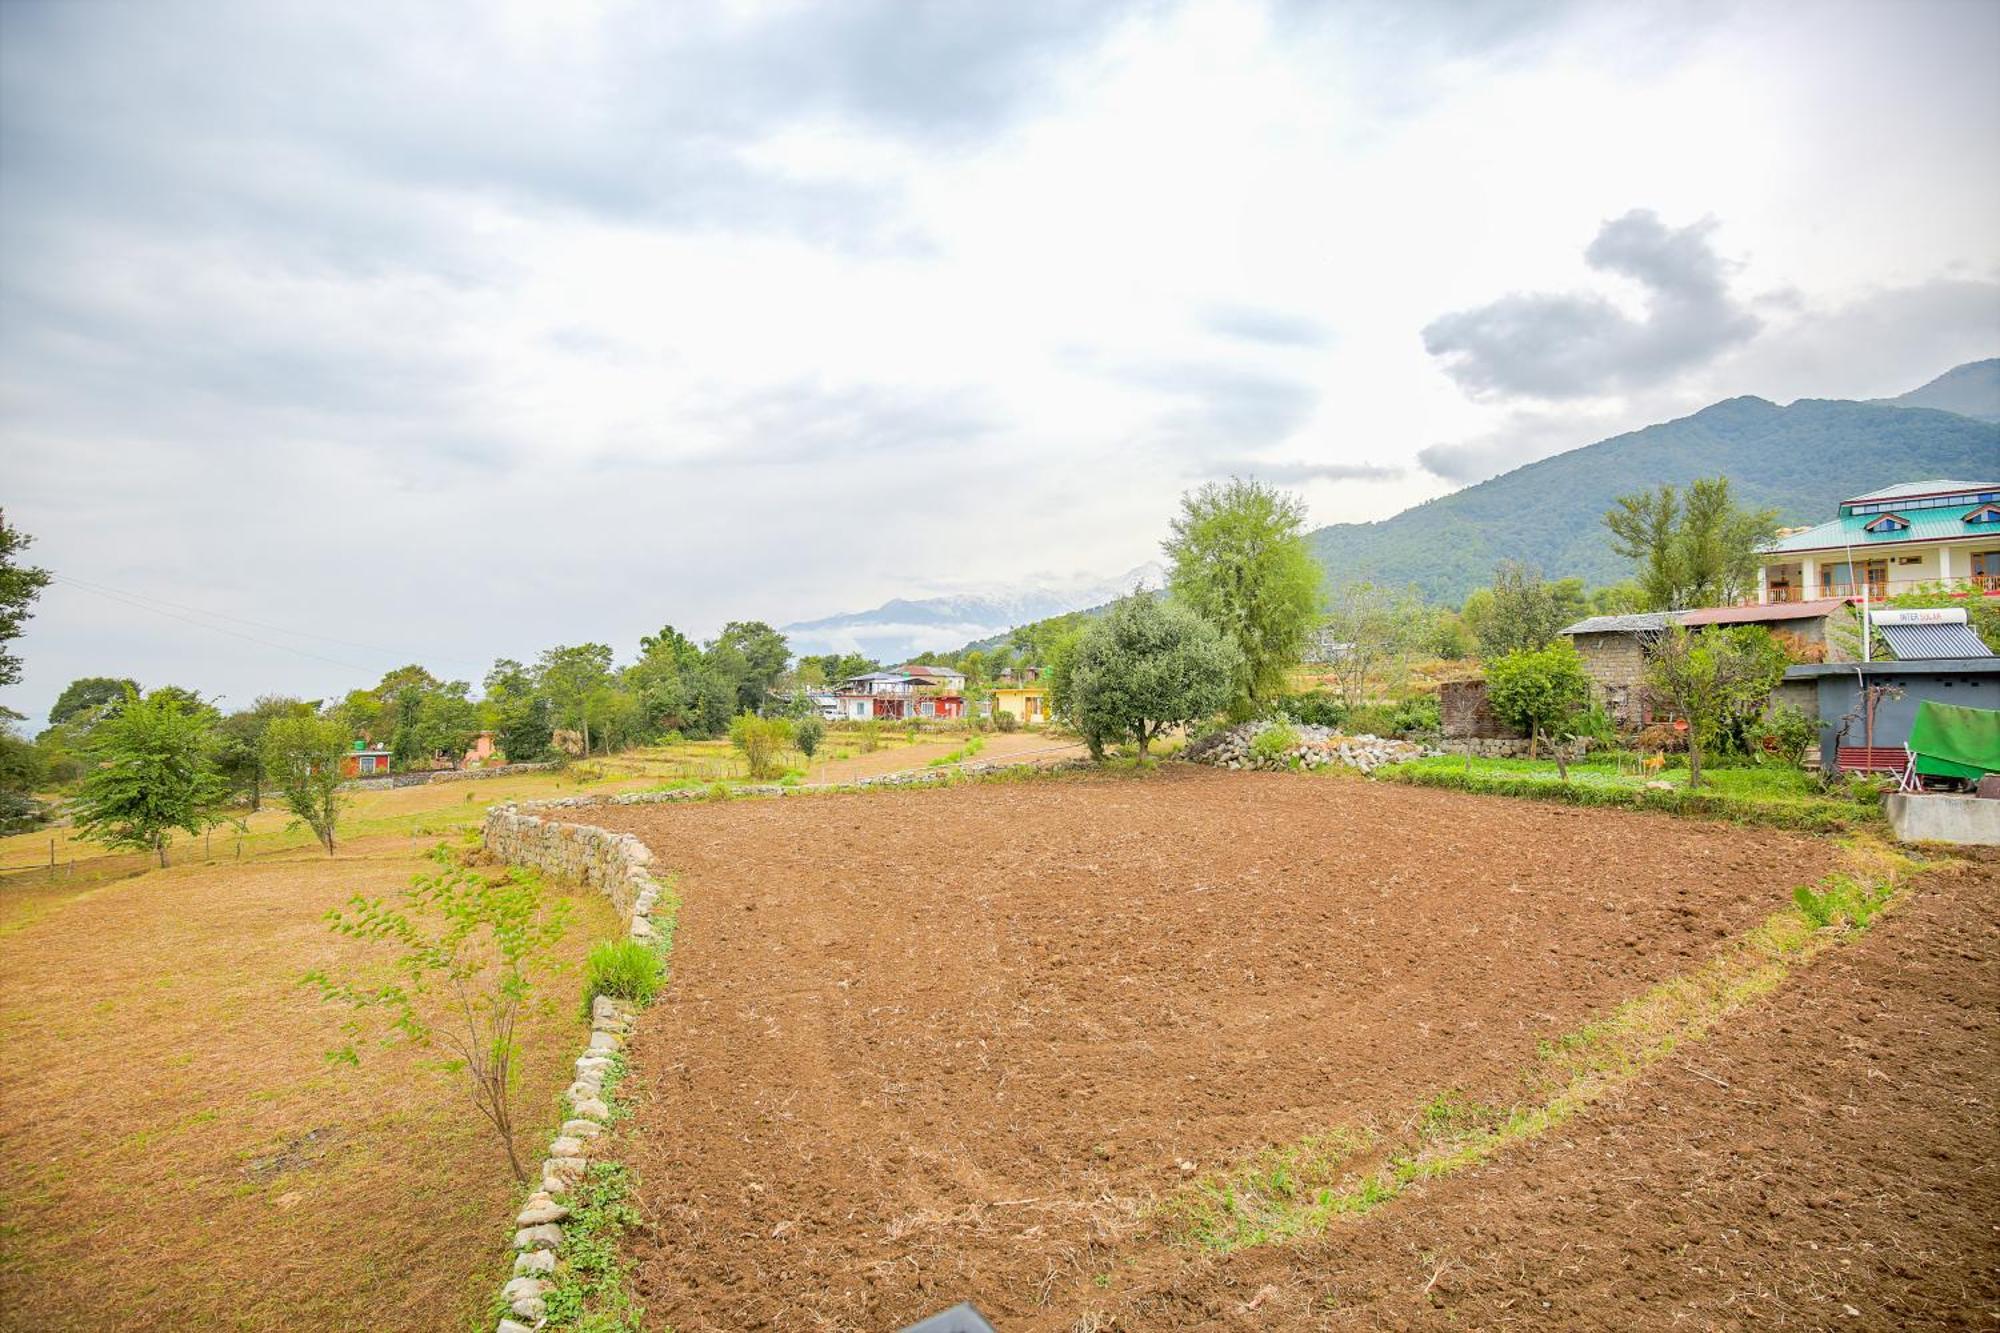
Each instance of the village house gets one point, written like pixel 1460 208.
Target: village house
pixel 1921 534
pixel 914 691
pixel 1027 703
pixel 368 759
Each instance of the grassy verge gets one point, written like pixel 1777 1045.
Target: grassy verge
pixel 1303 1187
pixel 1773 797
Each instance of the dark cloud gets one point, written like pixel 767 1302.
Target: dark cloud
pixel 1276 327
pixel 1577 345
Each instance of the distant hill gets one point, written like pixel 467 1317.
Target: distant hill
pixel 1801 460
pixel 1971 390
pixel 904 627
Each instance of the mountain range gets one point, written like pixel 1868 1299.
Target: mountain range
pixel 905 627
pixel 1801 460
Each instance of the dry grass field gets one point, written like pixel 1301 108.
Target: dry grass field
pixel 175 1150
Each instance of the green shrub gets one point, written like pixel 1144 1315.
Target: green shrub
pixel 807 733
pixel 1785 734
pixel 624 970
pixel 760 739
pixel 1274 744
pixel 1006 721
pixel 1315 708
pixel 1844 899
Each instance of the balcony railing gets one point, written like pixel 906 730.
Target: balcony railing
pixel 1881 590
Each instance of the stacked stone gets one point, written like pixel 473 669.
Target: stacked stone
pixel 1316 747
pixel 617 865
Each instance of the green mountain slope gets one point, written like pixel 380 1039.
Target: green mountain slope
pixel 1801 460
pixel 1971 390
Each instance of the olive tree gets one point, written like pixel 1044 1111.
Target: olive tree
pixel 1143 668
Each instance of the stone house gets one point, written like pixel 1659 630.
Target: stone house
pixel 1613 649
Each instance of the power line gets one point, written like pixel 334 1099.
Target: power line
pixel 160 606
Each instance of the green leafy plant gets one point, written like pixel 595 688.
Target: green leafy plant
pixel 1141 669
pixel 468 946
pixel 152 774
pixel 1785 734
pixel 623 969
pixel 1545 691
pixel 761 740
pixel 807 733
pixel 302 757
pixel 1274 744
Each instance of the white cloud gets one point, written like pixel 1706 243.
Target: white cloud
pixel 469 331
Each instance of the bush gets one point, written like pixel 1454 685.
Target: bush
pixel 1315 708
pixel 871 736
pixel 1409 717
pixel 624 970
pixel 807 733
pixel 1006 721
pixel 760 739
pixel 1785 733
pixel 1274 744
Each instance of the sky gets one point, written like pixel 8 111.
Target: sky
pixel 334 337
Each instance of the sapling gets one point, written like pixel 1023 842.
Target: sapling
pixel 468 946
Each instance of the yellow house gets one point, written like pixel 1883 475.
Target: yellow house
pixel 1028 703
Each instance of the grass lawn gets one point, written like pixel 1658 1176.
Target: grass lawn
pixel 1761 793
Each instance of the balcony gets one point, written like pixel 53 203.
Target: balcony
pixel 1881 590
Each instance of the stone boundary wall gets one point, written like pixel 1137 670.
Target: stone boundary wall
pixel 618 866
pixel 498 771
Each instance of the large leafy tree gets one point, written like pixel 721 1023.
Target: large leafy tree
pixel 1143 668
pixel 151 773
pixel 20 585
pixel 1522 611
pixel 570 677
pixel 1718 679
pixel 240 751
pixel 1241 563
pixel 302 753
pixel 87 695
pixel 1693 549
pixel 752 655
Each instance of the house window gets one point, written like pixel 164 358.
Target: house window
pixel 1984 514
pixel 1888 523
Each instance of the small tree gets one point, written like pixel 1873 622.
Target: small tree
pixel 807 733
pixel 1546 691
pixel 1142 668
pixel 468 948
pixel 1718 680
pixel 1521 611
pixel 151 771
pixel 760 740
pixel 1369 635
pixel 302 756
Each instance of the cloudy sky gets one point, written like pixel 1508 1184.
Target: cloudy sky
pixel 334 336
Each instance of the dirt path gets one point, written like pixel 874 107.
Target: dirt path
pixel 999 746
pixel 929 1046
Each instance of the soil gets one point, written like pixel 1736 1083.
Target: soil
pixel 929 1046
pixel 1830 1159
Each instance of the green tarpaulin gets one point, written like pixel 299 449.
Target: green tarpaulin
pixel 1953 742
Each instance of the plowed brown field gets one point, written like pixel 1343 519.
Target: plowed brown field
pixel 930 1046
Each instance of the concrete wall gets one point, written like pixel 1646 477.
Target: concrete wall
pixel 1965 820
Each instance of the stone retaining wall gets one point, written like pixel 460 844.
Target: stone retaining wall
pixel 618 866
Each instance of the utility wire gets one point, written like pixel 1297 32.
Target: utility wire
pixel 159 606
